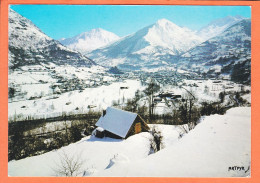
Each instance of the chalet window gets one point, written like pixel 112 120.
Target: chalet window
pixel 138 128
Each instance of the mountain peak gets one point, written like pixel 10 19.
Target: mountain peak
pixel 163 21
pixel 239 16
pixel 97 30
pixel 228 20
pixel 217 26
pixel 37 47
pixel 88 41
pixel 153 45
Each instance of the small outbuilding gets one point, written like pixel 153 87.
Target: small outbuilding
pixel 118 123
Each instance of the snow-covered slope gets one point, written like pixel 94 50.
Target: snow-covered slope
pixel 218 144
pixel 218 26
pixel 230 48
pixel 236 37
pixel 28 45
pixel 88 41
pixel 148 47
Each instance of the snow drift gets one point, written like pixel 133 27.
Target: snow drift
pixel 213 149
pixel 217 147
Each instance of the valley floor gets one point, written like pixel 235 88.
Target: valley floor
pixel 219 146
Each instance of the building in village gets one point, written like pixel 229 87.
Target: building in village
pixel 117 123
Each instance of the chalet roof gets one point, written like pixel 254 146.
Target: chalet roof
pixel 116 121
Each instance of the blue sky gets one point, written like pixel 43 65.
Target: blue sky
pixel 59 21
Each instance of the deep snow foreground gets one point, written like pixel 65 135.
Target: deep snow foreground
pixel 219 144
pixel 215 148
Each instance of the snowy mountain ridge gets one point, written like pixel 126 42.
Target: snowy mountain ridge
pixel 26 29
pixel 229 53
pixel 150 46
pixel 88 41
pixel 162 43
pixel 218 26
pixel 234 40
pixel 166 34
pixel 28 45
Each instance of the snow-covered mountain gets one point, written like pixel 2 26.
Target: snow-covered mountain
pixel 88 41
pixel 28 45
pixel 227 53
pixel 218 26
pixel 151 46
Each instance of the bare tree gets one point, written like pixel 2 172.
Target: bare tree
pixel 156 141
pixel 185 128
pixel 151 89
pixel 132 104
pixel 187 112
pixel 69 165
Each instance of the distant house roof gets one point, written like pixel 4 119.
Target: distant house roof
pixel 116 121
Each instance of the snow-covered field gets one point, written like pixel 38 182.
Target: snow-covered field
pixel 75 101
pixel 213 149
pixel 99 98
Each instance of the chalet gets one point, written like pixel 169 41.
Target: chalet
pixel 157 99
pixel 217 81
pixel 117 123
pixel 176 96
pixel 167 94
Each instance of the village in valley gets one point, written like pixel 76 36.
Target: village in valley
pixel 143 111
